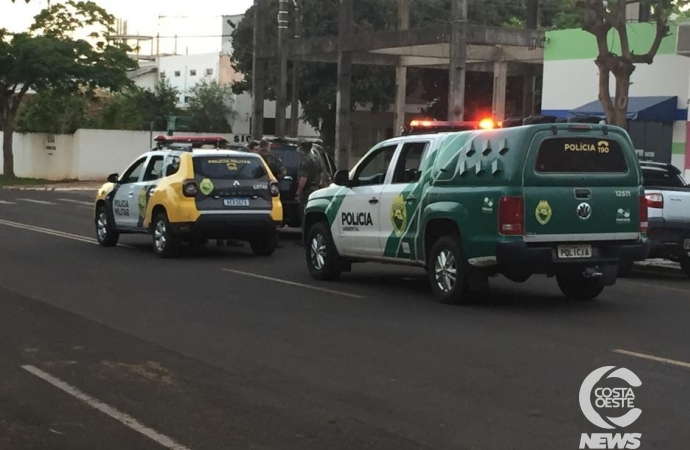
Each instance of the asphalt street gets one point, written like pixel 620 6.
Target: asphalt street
pixel 113 348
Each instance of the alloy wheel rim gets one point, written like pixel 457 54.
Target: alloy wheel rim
pixel 159 236
pixel 446 271
pixel 318 252
pixel 102 226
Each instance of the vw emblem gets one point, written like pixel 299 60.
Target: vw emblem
pixel 584 211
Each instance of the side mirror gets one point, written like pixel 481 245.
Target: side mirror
pixel 342 178
pixel 113 178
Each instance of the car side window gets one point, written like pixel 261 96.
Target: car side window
pixel 407 169
pixel 154 169
pixel 171 166
pixel 134 172
pixel 373 170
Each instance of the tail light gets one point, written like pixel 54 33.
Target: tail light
pixel 655 201
pixel 644 218
pixel 275 190
pixel 190 188
pixel 511 216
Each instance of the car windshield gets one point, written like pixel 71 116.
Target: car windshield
pixel 580 155
pixel 230 168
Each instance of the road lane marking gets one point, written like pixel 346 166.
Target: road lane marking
pixel 657 286
pixel 293 283
pixel 78 202
pixel 106 409
pixel 5 202
pixel 672 362
pixel 40 202
pixel 62 234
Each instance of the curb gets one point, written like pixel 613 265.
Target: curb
pixel 662 269
pixel 48 188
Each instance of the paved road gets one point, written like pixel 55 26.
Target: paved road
pixel 116 349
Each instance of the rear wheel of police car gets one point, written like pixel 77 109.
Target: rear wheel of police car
pixel 576 286
pixel 323 260
pixel 447 271
pixel 165 243
pixel 105 233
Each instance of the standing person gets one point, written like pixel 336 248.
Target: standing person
pixel 309 180
pixel 252 147
pixel 274 163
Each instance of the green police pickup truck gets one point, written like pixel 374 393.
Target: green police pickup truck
pixel 561 199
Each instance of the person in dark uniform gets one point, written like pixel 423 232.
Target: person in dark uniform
pixel 274 163
pixel 309 179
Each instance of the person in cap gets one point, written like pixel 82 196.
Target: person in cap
pixel 309 179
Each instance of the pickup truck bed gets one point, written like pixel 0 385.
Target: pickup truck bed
pixel 668 203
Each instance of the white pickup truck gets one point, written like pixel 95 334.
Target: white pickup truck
pixel 668 206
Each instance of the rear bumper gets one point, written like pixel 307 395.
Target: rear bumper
pixel 542 258
pixel 667 238
pixel 228 226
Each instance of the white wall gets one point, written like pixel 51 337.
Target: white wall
pixel 35 157
pixel 168 65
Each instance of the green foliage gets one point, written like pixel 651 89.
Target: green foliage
pixel 210 105
pixel 50 56
pixel 53 112
pixel 140 109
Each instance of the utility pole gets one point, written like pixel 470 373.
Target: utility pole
pixel 458 60
pixel 401 74
pixel 258 75
pixel 294 103
pixel 281 100
pixel 343 125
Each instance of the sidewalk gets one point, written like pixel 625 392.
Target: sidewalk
pixel 659 266
pixel 75 186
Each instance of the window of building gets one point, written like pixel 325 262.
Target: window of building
pixel 177 73
pixel 192 73
pixel 209 71
pixel 162 75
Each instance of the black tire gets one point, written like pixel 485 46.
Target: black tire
pixel 165 243
pixel 323 261
pixel 575 286
pixel 440 270
pixel 266 245
pixel 685 266
pixel 106 234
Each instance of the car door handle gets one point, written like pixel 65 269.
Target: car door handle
pixel 410 199
pixel 583 194
pixel 373 200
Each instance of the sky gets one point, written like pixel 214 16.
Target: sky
pixel 193 19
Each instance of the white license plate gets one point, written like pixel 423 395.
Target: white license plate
pixel 236 201
pixel 574 251
pixel 686 244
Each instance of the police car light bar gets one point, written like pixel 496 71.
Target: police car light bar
pixel 437 125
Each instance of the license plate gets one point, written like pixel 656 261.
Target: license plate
pixel 574 251
pixel 236 201
pixel 686 244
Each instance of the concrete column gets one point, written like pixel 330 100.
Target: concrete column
pixel 528 88
pixel 401 74
pixel 343 124
pixel 500 81
pixel 281 97
pixel 458 60
pixel 294 102
pixel 258 74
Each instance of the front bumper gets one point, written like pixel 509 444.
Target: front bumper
pixel 542 257
pixel 228 226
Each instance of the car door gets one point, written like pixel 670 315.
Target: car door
pixel 125 204
pixel 358 217
pixel 400 207
pixel 143 188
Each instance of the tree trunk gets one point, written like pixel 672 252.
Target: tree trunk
pixel 621 103
pixel 7 154
pixel 604 89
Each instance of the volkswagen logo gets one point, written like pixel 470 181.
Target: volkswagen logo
pixel 584 211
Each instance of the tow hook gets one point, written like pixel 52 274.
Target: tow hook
pixel 592 272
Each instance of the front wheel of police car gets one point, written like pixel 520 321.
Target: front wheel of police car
pixel 323 260
pixel 106 235
pixel 576 286
pixel 165 243
pixel 266 245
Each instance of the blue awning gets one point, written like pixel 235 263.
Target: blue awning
pixel 643 109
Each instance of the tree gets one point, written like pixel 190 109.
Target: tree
pixel 210 105
pixel 138 108
pixel 50 56
pixel 600 18
pixel 53 112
